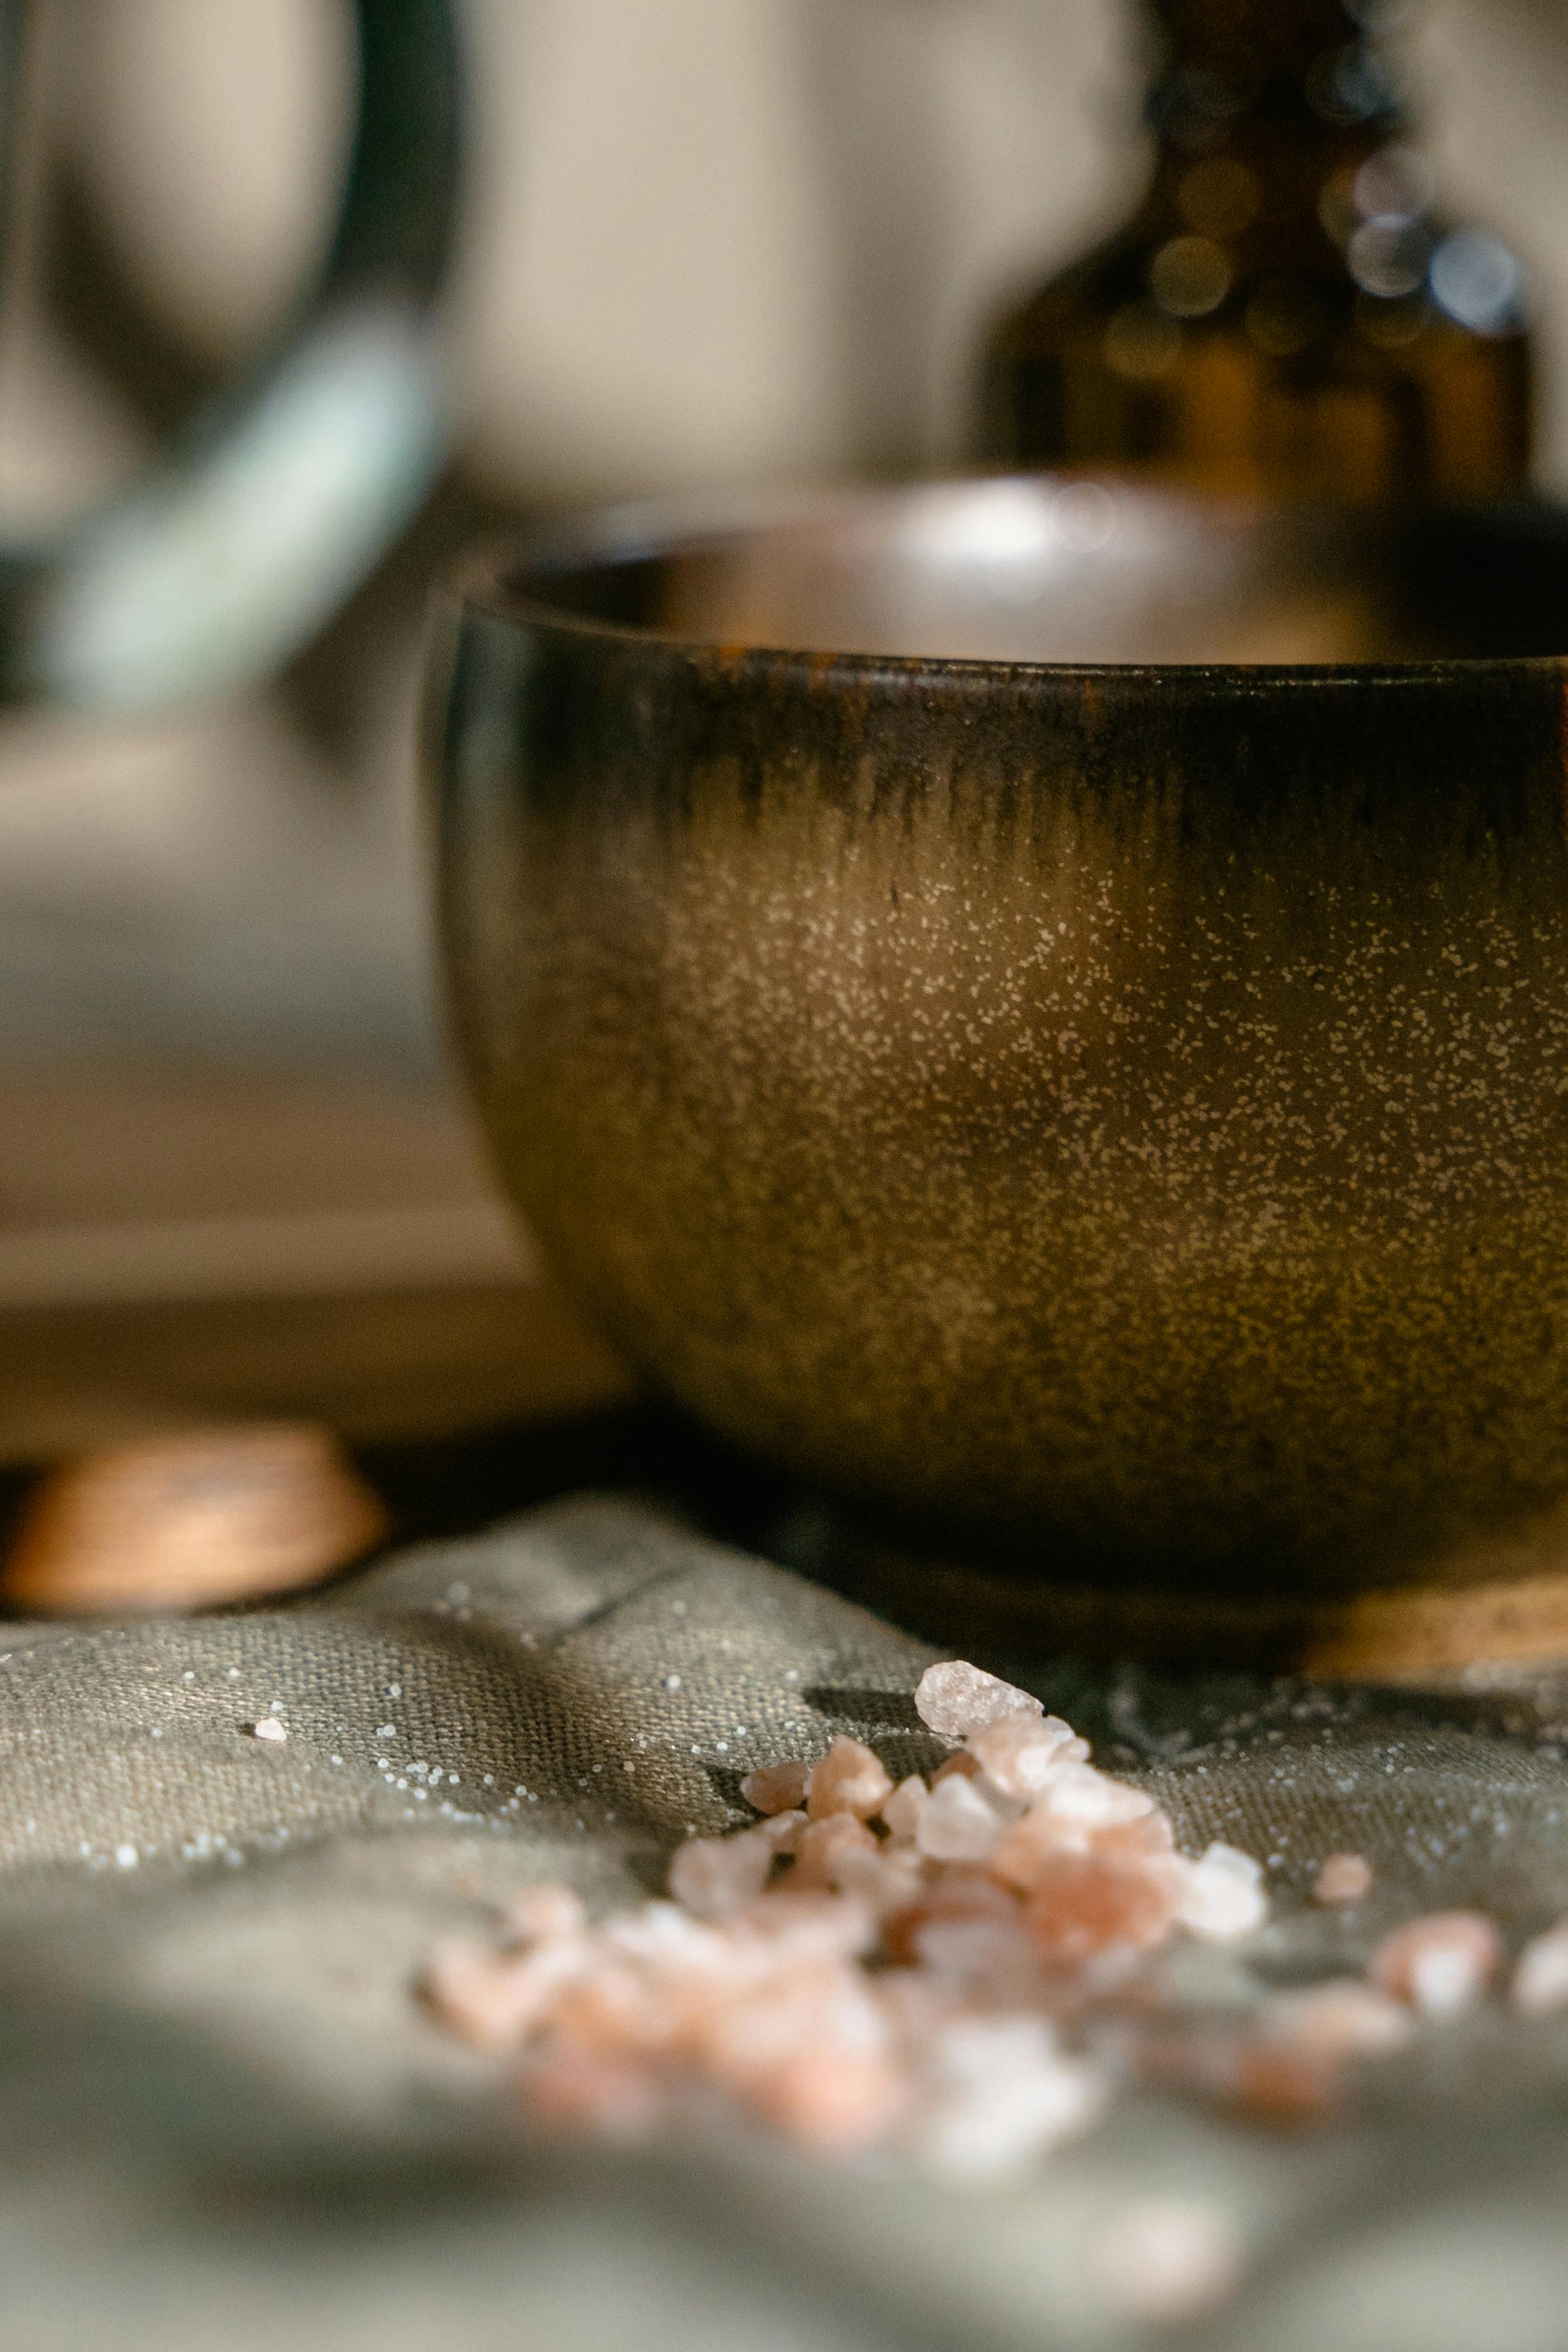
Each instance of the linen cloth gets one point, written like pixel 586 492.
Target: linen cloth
pixel 227 2119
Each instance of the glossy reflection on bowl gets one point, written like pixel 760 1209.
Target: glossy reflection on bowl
pixel 1024 1055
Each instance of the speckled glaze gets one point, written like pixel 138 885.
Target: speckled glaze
pixel 1116 1118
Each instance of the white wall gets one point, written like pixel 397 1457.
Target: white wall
pixel 708 239
pixel 723 237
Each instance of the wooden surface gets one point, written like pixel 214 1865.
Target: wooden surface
pixel 178 1248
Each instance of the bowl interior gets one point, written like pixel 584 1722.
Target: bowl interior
pixel 1077 571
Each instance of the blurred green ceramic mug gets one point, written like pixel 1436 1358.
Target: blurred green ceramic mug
pixel 246 534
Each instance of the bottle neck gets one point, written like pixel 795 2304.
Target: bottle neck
pixel 1318 72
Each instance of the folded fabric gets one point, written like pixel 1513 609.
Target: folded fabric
pixel 226 2106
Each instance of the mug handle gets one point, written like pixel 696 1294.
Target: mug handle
pixel 233 550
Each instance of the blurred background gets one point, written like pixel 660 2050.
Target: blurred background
pixel 701 241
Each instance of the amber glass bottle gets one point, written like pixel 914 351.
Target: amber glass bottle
pixel 1288 313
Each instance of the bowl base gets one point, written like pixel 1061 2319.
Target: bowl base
pixel 1413 1632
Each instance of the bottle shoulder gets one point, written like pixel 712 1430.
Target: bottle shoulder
pixel 1113 270
pixel 1442 284
pixel 1266 380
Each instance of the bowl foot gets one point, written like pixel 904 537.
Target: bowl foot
pixel 1419 1632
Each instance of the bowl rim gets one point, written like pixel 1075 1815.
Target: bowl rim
pixel 494 578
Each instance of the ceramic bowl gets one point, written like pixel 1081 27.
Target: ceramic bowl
pixel 1042 1006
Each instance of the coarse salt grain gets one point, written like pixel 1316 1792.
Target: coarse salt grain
pixel 849 1779
pixel 1079 1793
pixel 1167 2260
pixel 1005 2095
pixel 1033 1840
pixel 823 1843
pixel 713 1875
pixel 888 1878
pixel 1341 2019
pixel 269 1728
pixel 955 1699
pixel 955 1894
pixel 1441 1965
pixel 806 1925
pixel 609 2099
pixel 959 1823
pixel 832 2102
pixel 493 2000
pixel 1222 1895
pixel 658 1933
pixel 901 1813
pixel 1085 1905
pixel 777 1788
pixel 1150 1834
pixel 1019 1753
pixel 1539 1986
pixel 544 1914
pixel 1281 2084
pixel 992 1964
pixel 1345 1878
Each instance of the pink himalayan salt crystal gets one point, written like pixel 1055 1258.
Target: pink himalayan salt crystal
pixel 659 1934
pixel 621 2010
pixel 1222 1895
pixel 809 2049
pixel 806 1924
pixel 1345 1878
pixel 1150 1834
pixel 608 2097
pixel 901 1813
pixel 737 2006
pixel 956 1699
pixel 913 2005
pixel 956 1894
pixel 1282 2083
pixel 1004 2096
pixel 493 2000
pixel 1083 1905
pixel 959 1823
pixel 777 1788
pixel 1080 1810
pixel 1261 2078
pixel 960 1766
pixel 712 1876
pixel 782 1830
pixel 543 1915
pixel 1076 1793
pixel 848 1779
pixel 1540 1986
pixel 888 1880
pixel 1031 1844
pixel 1340 2020
pixel 1441 1965
pixel 830 2101
pixel 754 2020
pixel 824 1843
pixel 1018 1754
pixel 1165 2259
pixel 994 1964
